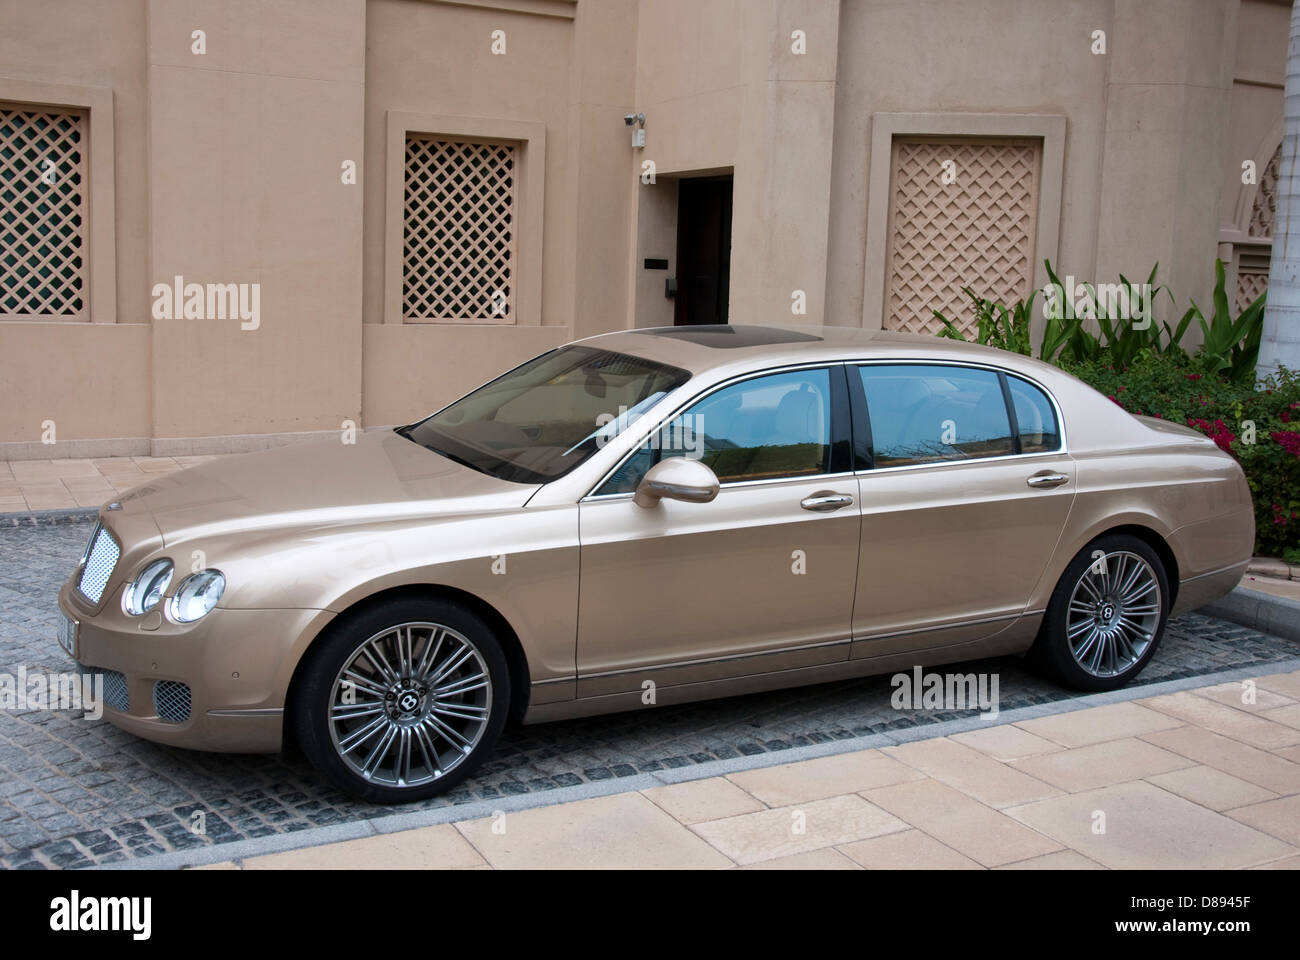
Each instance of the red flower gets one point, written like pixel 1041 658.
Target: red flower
pixel 1193 376
pixel 1219 433
pixel 1288 440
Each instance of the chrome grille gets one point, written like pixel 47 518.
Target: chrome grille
pixel 101 558
pixel 171 701
pixel 116 694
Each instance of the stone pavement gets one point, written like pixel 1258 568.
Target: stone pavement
pixel 1207 778
pixel 69 484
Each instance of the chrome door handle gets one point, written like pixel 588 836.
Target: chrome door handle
pixel 822 502
pixel 1047 480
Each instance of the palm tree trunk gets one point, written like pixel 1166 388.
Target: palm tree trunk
pixel 1280 344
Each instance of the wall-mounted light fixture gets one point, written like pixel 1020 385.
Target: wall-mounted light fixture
pixel 638 135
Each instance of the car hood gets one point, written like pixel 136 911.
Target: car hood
pixel 383 476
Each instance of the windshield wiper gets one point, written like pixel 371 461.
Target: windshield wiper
pixel 455 459
pixel 406 432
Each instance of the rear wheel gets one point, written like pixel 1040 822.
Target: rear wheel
pixel 1106 616
pixel 402 700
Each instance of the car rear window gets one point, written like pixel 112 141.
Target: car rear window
pixel 931 413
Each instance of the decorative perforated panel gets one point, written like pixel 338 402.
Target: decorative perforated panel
pixel 1264 210
pixel 963 212
pixel 42 213
pixel 458 246
pixel 1252 279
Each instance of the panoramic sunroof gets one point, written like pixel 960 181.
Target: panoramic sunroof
pixel 726 337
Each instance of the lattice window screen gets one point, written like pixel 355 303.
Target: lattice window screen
pixel 977 231
pixel 1264 211
pixel 42 213
pixel 1252 277
pixel 458 248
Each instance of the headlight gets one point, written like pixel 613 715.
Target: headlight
pixel 147 589
pixel 197 595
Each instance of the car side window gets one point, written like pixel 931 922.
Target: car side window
pixel 769 427
pixel 931 413
pixel 1039 431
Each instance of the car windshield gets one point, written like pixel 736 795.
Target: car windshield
pixel 544 418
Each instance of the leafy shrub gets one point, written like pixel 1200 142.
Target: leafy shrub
pixel 996 325
pixel 1231 347
pixel 1131 331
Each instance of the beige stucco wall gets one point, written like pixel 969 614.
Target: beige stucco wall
pixel 1255 112
pixel 246 148
pixel 227 169
pixel 722 89
pixel 90 382
pixel 1003 57
pixel 435 59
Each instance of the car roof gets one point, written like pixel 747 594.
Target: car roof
pixel 724 346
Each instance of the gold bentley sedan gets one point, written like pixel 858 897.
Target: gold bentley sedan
pixel 647 518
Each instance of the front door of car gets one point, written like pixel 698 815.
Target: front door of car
pixel 759 579
pixel 962 506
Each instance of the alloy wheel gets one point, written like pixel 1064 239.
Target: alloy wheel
pixel 1114 613
pixel 410 705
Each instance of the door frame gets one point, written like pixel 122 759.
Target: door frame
pixel 758 661
pixel 956 632
pixel 725 230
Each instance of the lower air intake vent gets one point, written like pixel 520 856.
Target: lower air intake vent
pixel 116 694
pixel 171 701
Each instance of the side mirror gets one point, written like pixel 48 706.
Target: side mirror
pixel 677 478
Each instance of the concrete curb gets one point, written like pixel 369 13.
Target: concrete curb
pixel 391 823
pixel 1259 611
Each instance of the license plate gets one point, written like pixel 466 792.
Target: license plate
pixel 67 634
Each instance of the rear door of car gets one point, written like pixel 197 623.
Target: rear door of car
pixel 762 578
pixel 965 486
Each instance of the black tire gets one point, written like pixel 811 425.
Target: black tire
pixel 320 683
pixel 1052 652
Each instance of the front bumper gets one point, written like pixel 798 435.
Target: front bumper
pixel 236 663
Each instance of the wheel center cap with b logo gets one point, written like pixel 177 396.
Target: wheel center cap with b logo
pixel 404 700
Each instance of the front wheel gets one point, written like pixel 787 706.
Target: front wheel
pixel 1106 616
pixel 402 700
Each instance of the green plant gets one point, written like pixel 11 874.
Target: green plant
pixel 1230 347
pixel 996 325
pixel 1124 314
